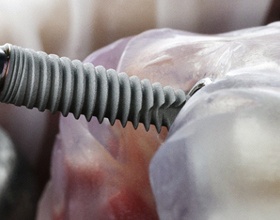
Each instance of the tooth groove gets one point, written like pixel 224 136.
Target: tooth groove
pixel 67 93
pixel 32 90
pixel 91 89
pixel 102 92
pixel 56 83
pixel 136 100
pixel 113 96
pixel 159 102
pixel 43 91
pixel 36 79
pixel 148 103
pixel 80 86
pixel 125 98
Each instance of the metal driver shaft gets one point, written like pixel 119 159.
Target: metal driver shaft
pixel 36 79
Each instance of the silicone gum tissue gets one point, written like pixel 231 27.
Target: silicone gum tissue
pixel 221 158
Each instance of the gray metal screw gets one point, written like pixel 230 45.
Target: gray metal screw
pixel 36 79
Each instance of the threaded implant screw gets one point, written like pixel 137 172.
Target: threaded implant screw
pixel 36 79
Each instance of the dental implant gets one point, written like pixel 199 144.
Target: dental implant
pixel 38 80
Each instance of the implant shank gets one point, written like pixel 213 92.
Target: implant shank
pixel 36 79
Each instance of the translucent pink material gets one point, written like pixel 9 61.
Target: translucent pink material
pixel 101 171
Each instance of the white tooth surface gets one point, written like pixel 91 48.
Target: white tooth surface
pixel 222 157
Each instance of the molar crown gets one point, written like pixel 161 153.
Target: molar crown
pixel 36 79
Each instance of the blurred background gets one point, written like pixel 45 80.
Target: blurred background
pixel 75 28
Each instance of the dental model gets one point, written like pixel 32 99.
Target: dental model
pixel 221 157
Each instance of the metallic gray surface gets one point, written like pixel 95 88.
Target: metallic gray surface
pixel 36 79
pixel 200 84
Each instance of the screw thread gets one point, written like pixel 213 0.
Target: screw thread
pixel 36 79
